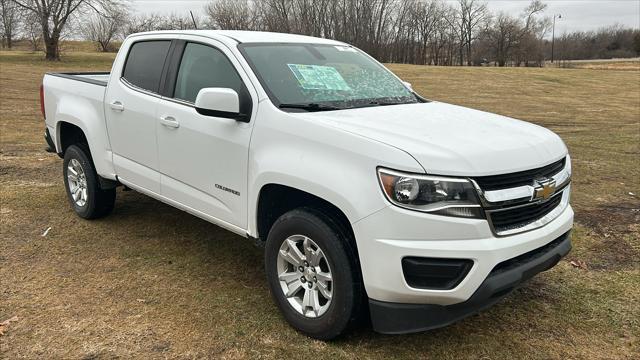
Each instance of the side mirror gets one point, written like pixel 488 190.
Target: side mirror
pixel 220 102
pixel 408 85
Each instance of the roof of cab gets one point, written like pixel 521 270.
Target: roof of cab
pixel 241 36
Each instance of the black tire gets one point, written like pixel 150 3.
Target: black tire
pixel 344 310
pixel 99 202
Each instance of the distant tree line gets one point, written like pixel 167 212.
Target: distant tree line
pixel 432 32
pixel 610 42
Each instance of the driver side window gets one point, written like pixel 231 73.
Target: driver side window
pixel 204 67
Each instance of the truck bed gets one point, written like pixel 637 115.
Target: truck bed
pixel 96 78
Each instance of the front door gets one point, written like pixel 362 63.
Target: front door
pixel 203 159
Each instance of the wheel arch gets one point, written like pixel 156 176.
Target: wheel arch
pixel 67 134
pixel 275 199
pixel 71 130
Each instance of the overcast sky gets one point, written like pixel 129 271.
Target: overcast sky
pixel 576 14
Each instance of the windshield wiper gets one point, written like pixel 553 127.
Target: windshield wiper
pixel 387 103
pixel 378 103
pixel 309 107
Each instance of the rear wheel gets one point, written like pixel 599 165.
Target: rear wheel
pixel 83 188
pixel 312 273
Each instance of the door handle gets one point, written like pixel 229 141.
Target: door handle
pixel 169 122
pixel 116 106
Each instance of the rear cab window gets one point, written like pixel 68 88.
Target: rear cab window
pixel 144 64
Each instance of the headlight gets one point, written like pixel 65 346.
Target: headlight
pixel 432 194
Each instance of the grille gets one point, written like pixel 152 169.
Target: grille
pixel 517 217
pixel 504 181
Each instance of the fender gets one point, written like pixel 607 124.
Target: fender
pixel 320 160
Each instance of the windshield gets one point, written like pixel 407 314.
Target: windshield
pixel 316 77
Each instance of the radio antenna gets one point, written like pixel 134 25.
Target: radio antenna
pixel 194 20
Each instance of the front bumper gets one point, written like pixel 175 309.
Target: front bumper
pixel 394 318
pixel 392 234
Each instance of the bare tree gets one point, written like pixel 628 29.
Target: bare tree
pixel 154 22
pixel 54 15
pixel 175 22
pixel 142 23
pixel 502 37
pixel 32 31
pixel 517 39
pixel 103 28
pixel 457 23
pixel 474 16
pixel 426 14
pixel 529 14
pixel 530 36
pixel 531 49
pixel 233 15
pixel 9 18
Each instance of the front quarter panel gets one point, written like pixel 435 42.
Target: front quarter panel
pixel 308 155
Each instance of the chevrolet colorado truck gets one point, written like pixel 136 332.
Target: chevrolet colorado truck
pixel 370 200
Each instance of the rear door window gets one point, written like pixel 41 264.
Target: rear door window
pixel 145 63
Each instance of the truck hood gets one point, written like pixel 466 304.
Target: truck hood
pixel 451 140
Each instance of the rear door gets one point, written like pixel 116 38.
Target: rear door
pixel 203 159
pixel 131 112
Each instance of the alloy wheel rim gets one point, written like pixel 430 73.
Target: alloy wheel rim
pixel 305 276
pixel 77 182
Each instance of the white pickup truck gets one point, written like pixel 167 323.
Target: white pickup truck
pixel 371 201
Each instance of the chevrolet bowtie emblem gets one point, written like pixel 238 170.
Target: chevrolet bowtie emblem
pixel 544 188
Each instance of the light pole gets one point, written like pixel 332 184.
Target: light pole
pixel 553 34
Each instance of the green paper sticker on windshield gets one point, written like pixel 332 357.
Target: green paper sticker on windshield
pixel 318 77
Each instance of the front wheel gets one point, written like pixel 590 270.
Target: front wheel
pixel 312 273
pixel 83 188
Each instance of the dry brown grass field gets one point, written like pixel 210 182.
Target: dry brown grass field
pixel 150 281
pixel 614 64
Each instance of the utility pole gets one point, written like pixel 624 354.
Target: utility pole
pixel 553 34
